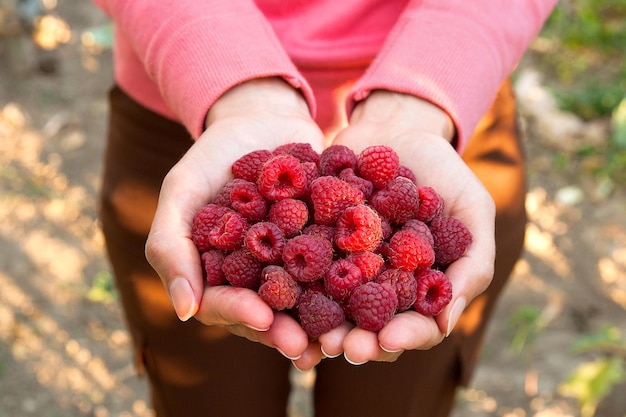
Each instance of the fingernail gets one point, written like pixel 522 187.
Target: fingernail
pixel 455 313
pixel 182 299
pixel 389 350
pixel 294 358
pixel 327 355
pixel 352 362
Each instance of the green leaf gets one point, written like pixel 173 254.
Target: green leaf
pixel 592 381
pixel 103 288
pixel 608 337
pixel 618 125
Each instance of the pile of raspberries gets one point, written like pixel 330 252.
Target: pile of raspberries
pixel 331 237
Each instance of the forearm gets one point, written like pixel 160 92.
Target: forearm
pixel 454 54
pixel 196 51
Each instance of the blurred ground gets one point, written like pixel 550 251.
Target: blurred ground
pixel 63 347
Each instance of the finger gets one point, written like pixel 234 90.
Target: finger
pixel 361 346
pixel 331 343
pixel 311 356
pixel 226 305
pixel 410 331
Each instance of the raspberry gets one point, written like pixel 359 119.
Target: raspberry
pixel 212 262
pixel 248 167
pixel 404 171
pixel 242 269
pixel 398 202
pixel 451 239
pixel 203 222
pixel 321 230
pixel 370 264
pixel 331 196
pixel 405 285
pixel 335 159
pixel 307 257
pixel 358 229
pixel 281 177
pixel 420 228
pixel 318 314
pixel 341 279
pixel 434 292
pixel 278 289
pixel 303 151
pixel 372 305
pixel 290 215
pixel 378 164
pixel 229 231
pixel 349 176
pixel 246 199
pixel 266 241
pixel 431 204
pixel 223 196
pixel 409 251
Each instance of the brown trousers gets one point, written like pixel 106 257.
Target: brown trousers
pixel 196 370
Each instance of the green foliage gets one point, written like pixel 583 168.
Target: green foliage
pixel 526 323
pixel 586 59
pixel 103 288
pixel 593 380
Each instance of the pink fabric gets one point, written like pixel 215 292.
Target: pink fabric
pixel 177 57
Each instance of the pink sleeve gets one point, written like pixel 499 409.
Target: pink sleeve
pixel 196 50
pixel 455 53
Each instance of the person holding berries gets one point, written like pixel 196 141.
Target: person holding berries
pixel 201 86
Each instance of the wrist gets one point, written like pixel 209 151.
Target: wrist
pixel 259 95
pixel 404 110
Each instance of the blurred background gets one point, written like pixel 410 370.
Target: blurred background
pixel 557 346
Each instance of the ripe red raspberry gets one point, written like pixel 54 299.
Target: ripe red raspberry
pixel 431 204
pixel 335 159
pixel 242 269
pixel 228 232
pixel 223 196
pixel 303 151
pixel 282 176
pixel 378 164
pixel 451 239
pixel 266 241
pixel 330 196
pixel 212 262
pixel 307 257
pixel 203 222
pixel 434 292
pixel 370 264
pixel 405 285
pixel 358 229
pixel 246 199
pixel 321 230
pixel 372 305
pixel 420 228
pixel 341 279
pixel 409 251
pixel 248 167
pixel 398 202
pixel 349 176
pixel 278 289
pixel 318 314
pixel 290 215
pixel 406 172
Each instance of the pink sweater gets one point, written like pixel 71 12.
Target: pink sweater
pixel 177 57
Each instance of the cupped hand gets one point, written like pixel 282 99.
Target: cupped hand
pixel 420 133
pixel 258 114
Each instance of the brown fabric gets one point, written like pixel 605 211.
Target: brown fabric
pixel 196 370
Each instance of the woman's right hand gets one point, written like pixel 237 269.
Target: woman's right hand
pixel 259 114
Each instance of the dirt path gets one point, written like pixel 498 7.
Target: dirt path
pixel 63 347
